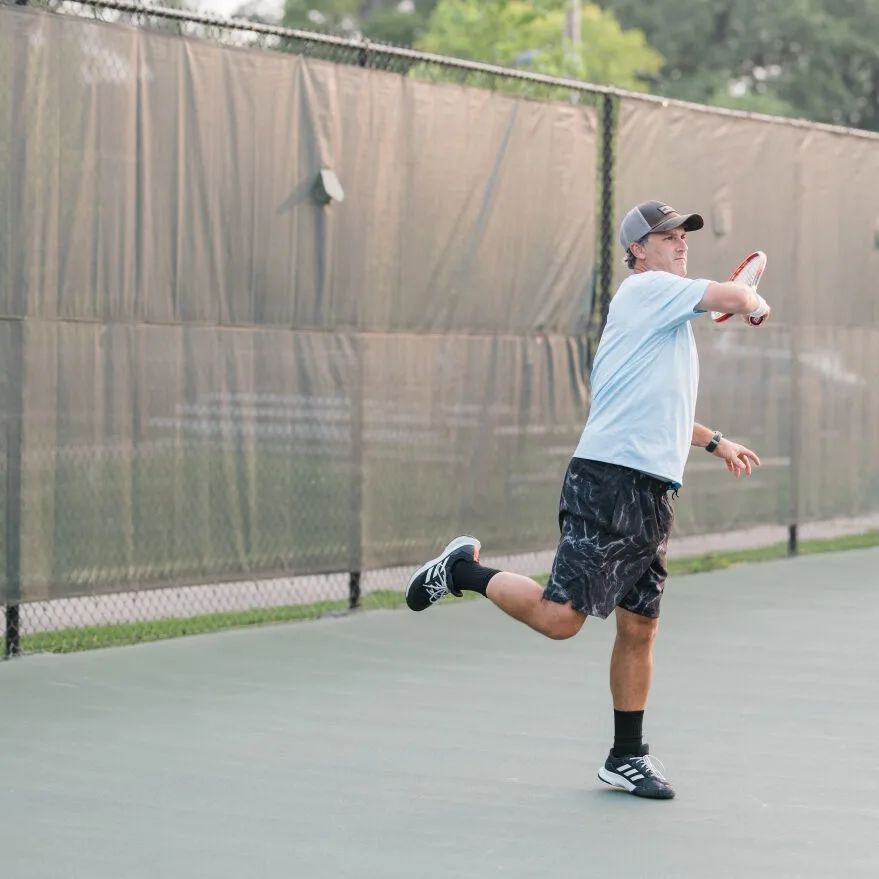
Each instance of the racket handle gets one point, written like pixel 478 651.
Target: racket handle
pixel 758 315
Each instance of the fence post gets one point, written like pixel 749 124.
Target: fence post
pixel 793 513
pixel 357 447
pixel 355 537
pixel 354 590
pixel 605 256
pixel 796 385
pixel 603 274
pixel 12 639
pixel 12 634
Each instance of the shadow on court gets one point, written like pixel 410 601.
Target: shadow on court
pixel 457 743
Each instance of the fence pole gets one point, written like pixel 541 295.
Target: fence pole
pixel 795 449
pixel 796 384
pixel 603 275
pixel 606 220
pixel 12 639
pixel 355 537
pixel 12 634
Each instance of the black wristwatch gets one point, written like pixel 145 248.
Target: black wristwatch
pixel 715 441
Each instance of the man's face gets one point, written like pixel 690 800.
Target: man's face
pixel 663 252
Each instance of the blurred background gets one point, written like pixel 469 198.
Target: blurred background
pixel 283 307
pixel 815 59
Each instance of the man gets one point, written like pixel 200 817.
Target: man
pixel 615 514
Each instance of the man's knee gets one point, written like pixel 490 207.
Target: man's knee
pixel 636 630
pixel 564 623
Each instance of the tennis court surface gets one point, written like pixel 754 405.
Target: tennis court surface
pixel 457 743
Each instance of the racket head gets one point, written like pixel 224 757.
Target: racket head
pixel 749 272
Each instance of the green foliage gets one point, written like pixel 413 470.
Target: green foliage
pixel 812 58
pixel 528 35
pixel 392 24
pixel 337 16
pixel 512 33
pixel 388 21
pixel 755 102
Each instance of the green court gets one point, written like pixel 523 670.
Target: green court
pixel 457 743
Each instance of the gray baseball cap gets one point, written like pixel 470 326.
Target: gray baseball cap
pixel 654 216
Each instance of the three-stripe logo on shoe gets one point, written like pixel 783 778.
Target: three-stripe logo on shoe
pixel 629 772
pixel 435 582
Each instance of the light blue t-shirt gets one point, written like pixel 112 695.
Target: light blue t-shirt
pixel 645 377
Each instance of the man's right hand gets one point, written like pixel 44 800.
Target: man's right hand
pixel 759 314
pixel 747 318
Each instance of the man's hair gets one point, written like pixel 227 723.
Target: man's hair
pixel 629 258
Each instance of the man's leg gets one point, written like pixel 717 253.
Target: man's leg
pixel 628 765
pixel 522 598
pixel 457 569
pixel 631 663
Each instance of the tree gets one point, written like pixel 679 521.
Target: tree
pixel 812 58
pixel 336 16
pixel 529 35
pixel 390 21
pixel 399 23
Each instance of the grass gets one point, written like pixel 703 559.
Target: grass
pixel 117 635
pixel 70 640
pixel 716 561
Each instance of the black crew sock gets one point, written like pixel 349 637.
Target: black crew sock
pixel 627 733
pixel 472 576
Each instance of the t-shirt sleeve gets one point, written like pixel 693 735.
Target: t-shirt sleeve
pixel 674 300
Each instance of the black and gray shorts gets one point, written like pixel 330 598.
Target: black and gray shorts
pixel 614 524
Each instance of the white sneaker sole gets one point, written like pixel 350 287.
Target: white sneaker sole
pixel 615 780
pixel 457 543
pixel 619 782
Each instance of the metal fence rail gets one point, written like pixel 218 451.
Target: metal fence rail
pixel 377 55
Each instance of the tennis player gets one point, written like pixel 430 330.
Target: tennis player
pixel 615 512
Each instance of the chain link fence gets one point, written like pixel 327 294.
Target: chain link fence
pixel 224 404
pixel 365 53
pixel 154 532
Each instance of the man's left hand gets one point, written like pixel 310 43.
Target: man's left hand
pixel 738 459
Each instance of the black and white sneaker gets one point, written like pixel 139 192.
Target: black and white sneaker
pixel 433 579
pixel 638 774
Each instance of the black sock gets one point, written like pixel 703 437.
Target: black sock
pixel 472 576
pixel 627 732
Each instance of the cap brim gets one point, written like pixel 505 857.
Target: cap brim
pixel 690 223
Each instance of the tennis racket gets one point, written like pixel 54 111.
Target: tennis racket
pixel 749 272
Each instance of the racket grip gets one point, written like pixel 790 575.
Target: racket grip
pixel 758 315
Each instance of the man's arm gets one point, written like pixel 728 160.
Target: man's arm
pixel 701 435
pixel 730 297
pixel 738 458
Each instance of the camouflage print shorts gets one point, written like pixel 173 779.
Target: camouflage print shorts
pixel 614 524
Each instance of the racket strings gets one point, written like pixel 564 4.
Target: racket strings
pixel 749 277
